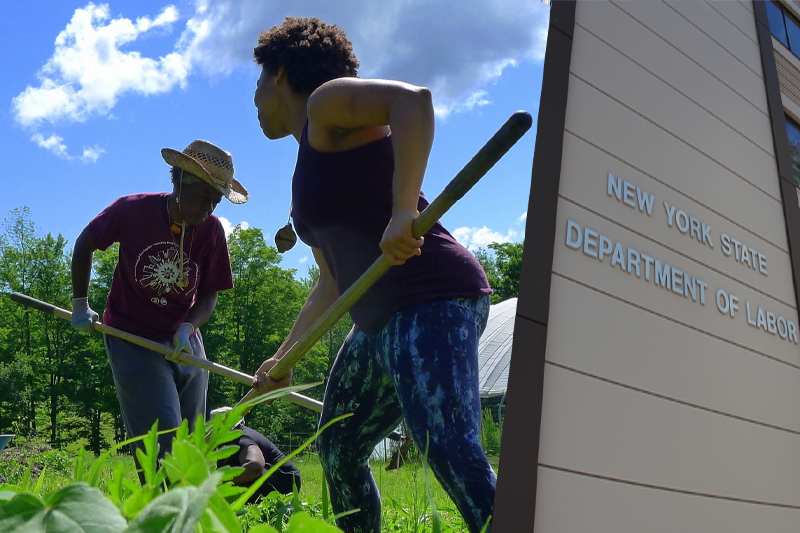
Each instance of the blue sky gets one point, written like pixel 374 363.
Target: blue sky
pixel 91 93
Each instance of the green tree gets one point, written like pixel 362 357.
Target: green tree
pixel 54 381
pixel 17 410
pixel 51 283
pixel 502 263
pixel 328 345
pixel 94 394
pixel 249 324
pixel 38 348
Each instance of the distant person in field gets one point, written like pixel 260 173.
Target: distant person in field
pixel 173 259
pixel 257 454
pixel 413 352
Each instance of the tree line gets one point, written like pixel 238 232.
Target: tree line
pixel 56 385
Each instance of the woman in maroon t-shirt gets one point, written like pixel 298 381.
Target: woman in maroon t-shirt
pixel 363 150
pixel 173 259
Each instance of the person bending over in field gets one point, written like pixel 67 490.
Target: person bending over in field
pixel 256 455
pixel 173 258
pixel 363 149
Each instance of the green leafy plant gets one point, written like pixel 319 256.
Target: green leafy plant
pixel 183 492
pixel 490 433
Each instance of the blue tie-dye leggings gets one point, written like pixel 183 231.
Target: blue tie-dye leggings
pixel 423 365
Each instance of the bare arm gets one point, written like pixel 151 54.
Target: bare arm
pixel 81 271
pixel 204 304
pixel 321 297
pixel 349 112
pixel 252 460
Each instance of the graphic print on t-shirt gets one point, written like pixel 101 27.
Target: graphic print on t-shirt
pixel 157 269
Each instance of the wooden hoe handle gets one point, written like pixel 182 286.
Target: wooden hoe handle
pixel 183 357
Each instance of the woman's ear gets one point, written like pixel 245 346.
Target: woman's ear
pixel 281 77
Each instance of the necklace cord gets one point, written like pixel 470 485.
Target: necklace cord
pixel 183 282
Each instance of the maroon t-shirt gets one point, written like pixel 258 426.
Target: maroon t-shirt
pixel 342 203
pixel 145 298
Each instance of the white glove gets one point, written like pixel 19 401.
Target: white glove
pixel 83 316
pixel 181 341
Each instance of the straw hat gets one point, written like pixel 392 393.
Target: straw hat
pixel 211 163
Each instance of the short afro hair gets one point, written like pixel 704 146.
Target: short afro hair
pixel 312 52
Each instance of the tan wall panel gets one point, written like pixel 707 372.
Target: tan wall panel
pixel 675 30
pixel 764 231
pixel 740 42
pixel 668 63
pixel 697 368
pixel 611 431
pixel 670 401
pixel 641 143
pixel 739 13
pixel 574 504
pixel 645 94
pixel 575 264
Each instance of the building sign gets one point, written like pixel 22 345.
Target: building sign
pixel 646 268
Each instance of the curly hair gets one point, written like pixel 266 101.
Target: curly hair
pixel 312 52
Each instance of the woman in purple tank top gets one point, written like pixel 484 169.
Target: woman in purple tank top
pixel 363 149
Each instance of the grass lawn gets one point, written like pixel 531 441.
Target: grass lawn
pixel 403 491
pixel 406 506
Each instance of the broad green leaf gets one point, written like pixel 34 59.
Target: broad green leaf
pixel 76 508
pixel 115 485
pixel 19 510
pixel 176 511
pixel 262 528
pixel 222 453
pixel 230 472
pixel 303 523
pixel 186 463
pixel 227 490
pixel 7 492
pixel 183 431
pixel 148 458
pixel 139 499
pixel 219 517
pixel 93 477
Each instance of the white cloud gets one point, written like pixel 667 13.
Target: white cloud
pixel 303 260
pixel 476 99
pixel 92 154
pixel 523 218
pixel 228 227
pixel 474 238
pixel 456 48
pixel 54 144
pixel 88 72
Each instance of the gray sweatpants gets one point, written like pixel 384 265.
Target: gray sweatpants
pixel 151 388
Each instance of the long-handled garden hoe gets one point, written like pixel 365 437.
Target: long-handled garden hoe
pixel 500 143
pixel 182 357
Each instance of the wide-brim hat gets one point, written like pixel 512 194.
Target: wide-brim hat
pixel 211 163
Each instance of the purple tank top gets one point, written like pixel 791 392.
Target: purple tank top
pixel 342 203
